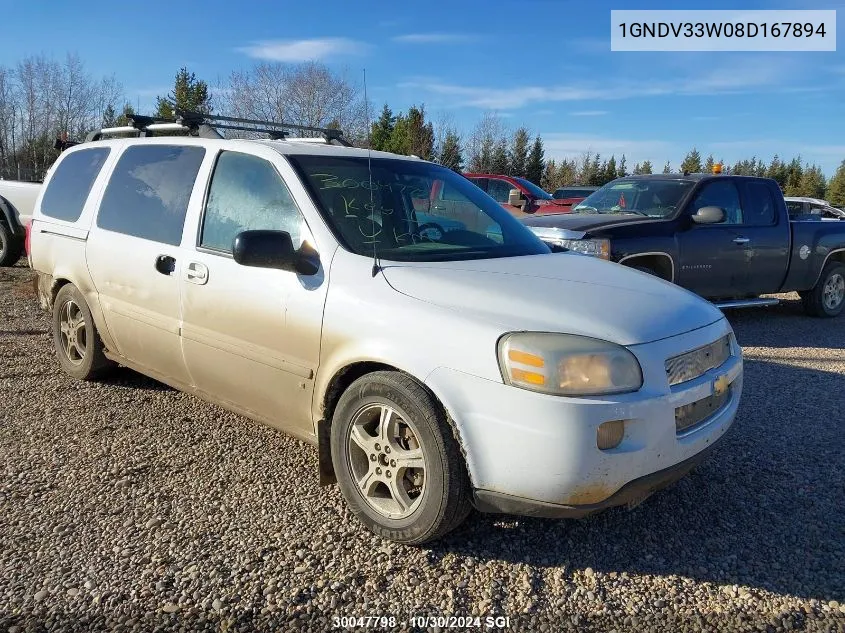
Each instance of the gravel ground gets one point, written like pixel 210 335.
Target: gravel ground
pixel 130 506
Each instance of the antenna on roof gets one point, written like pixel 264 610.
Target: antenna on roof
pixel 376 266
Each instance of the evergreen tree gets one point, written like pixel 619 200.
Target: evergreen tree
pixel 109 116
pixel 777 171
pixel 382 129
pixel 667 168
pixel 398 143
pixel 813 184
pixel 645 168
pixel 610 170
pixel 519 153
pixel 622 170
pixel 794 174
pixel 189 93
pixel 450 153
pixel 692 162
pixel 708 164
pixel 596 173
pixel 125 114
pixel 836 187
pixel 534 167
pixel 549 180
pixel 420 134
pixel 499 163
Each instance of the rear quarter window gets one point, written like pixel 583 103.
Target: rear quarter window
pixel 71 183
pixel 148 193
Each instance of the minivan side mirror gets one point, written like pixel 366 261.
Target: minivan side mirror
pixel 274 249
pixel 709 215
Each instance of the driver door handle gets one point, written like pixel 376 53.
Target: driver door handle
pixel 196 273
pixel 741 240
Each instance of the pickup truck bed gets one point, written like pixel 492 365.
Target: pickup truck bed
pixel 17 201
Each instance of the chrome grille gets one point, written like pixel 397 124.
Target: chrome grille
pixel 691 365
pixel 694 413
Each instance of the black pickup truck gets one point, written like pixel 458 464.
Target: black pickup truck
pixel 727 238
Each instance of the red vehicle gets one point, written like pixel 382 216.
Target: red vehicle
pixel 571 195
pixel 532 200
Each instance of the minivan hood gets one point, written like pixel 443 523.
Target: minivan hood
pixel 561 292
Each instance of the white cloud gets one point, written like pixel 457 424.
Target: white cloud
pixel 589 113
pixel 738 75
pixel 433 38
pixel 303 50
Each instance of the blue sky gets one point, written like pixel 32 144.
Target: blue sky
pixel 542 63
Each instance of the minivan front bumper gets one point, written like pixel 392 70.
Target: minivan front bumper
pixel 537 454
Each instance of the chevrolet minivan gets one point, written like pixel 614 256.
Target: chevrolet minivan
pixel 434 367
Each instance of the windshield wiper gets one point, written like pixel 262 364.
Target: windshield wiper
pixel 584 209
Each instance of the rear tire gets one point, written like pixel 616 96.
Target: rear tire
pixel 827 298
pixel 397 461
pixel 11 246
pixel 75 337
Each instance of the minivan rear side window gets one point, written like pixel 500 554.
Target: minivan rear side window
pixel 71 183
pixel 147 195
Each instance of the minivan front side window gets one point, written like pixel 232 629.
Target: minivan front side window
pixel 148 193
pixel 247 193
pixel 376 211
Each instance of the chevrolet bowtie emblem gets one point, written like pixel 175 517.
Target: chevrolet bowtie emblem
pixel 720 385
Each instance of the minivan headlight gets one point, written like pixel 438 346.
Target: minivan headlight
pixel 567 365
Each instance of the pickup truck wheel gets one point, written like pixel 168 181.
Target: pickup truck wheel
pixel 397 462
pixel 75 338
pixel 827 299
pixel 11 247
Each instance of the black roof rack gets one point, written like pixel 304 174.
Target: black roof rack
pixel 204 126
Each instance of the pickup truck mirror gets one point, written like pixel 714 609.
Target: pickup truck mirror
pixel 709 215
pixel 274 249
pixel 515 198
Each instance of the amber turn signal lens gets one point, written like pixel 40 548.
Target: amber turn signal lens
pixel 609 434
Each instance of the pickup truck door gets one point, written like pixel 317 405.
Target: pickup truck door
pixel 713 256
pixel 768 239
pixel 251 336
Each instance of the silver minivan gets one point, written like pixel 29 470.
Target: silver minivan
pixel 385 309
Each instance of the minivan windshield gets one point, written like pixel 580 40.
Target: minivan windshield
pixel 406 210
pixel 652 197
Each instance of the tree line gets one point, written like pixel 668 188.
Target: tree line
pixel 42 99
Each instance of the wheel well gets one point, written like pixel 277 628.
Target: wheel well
pixel 838 257
pixel 660 264
pixel 345 377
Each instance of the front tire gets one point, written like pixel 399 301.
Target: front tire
pixel 827 298
pixel 397 461
pixel 11 246
pixel 75 338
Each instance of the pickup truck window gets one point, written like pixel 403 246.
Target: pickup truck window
pixel 71 183
pixel 723 194
pixel 374 211
pixel 147 195
pixel 655 198
pixel 247 193
pixel 760 205
pixel 499 190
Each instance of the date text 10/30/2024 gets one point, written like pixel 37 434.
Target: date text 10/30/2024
pixel 421 621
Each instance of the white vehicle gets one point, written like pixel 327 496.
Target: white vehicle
pixel 290 281
pixel 17 200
